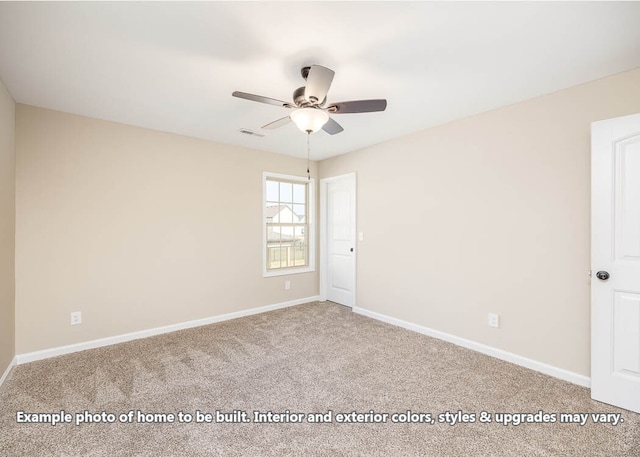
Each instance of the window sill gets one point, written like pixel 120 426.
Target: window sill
pixel 287 271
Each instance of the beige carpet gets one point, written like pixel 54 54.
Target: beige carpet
pixel 309 358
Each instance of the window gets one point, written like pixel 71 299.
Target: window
pixel 288 206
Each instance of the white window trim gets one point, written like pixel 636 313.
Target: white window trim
pixel 311 214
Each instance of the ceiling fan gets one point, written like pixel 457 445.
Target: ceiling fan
pixel 309 111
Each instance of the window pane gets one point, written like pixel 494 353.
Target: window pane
pixel 273 256
pixel 272 191
pixel 272 212
pixel 301 255
pixel 299 213
pixel 286 192
pixel 301 246
pixel 285 215
pixel 286 232
pixel 284 257
pixel 273 234
pixel 299 193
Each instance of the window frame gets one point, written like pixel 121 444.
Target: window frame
pixel 310 215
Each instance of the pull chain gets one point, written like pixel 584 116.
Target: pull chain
pixel 308 154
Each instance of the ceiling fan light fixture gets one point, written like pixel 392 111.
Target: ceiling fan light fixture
pixel 309 119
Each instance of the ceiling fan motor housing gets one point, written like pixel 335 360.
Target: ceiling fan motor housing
pixel 299 100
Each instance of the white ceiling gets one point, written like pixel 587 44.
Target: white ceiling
pixel 173 66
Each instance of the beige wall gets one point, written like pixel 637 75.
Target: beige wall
pixel 139 229
pixel 7 227
pixel 493 216
pixel 136 229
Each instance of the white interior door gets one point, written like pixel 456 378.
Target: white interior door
pixel 339 227
pixel 615 262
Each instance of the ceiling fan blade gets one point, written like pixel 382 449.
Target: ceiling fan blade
pixel 318 83
pixel 332 127
pixel 358 106
pixel 278 123
pixel 261 99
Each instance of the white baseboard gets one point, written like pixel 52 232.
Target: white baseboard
pixel 54 352
pixel 8 370
pixel 550 370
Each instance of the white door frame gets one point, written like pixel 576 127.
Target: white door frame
pixel 324 233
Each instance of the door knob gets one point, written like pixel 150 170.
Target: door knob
pixel 603 275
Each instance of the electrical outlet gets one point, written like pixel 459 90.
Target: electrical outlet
pixel 76 318
pixel 287 285
pixel 494 320
pixel 360 236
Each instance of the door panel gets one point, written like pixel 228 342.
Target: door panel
pixel 627 196
pixel 615 248
pixel 626 334
pixel 340 211
pixel 340 272
pixel 340 239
